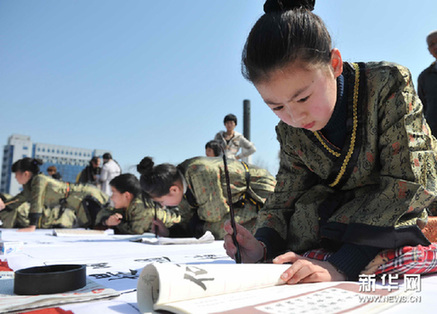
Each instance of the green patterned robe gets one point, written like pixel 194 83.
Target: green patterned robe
pixel 389 178
pixel 14 217
pixel 205 206
pixel 44 193
pixel 137 218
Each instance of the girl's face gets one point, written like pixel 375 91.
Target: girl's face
pixel 209 152
pixel 23 177
pixel 121 200
pixel 173 198
pixel 303 97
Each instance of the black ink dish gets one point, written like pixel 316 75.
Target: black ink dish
pixel 49 279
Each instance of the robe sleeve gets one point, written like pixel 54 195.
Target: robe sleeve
pixel 293 179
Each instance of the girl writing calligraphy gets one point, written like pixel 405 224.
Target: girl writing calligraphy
pixel 357 162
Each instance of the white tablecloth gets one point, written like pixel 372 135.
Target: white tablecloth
pixel 115 262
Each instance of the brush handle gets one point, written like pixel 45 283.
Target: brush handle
pixel 11 202
pixel 231 211
pixel 156 216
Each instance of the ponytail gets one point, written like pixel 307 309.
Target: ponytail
pixel 27 164
pixel 156 180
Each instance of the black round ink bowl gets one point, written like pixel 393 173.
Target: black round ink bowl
pixel 49 279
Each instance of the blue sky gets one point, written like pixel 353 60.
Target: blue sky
pixel 142 77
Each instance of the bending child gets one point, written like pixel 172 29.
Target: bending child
pixel 197 187
pixel 132 214
pixel 357 162
pixel 45 193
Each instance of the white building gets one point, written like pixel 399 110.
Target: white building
pixel 69 161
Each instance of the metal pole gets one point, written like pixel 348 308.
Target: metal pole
pixel 246 118
pixel 246 124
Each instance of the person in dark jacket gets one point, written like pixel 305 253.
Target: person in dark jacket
pixel 91 173
pixel 427 85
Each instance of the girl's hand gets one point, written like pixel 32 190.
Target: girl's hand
pixel 307 270
pixel 2 204
pixel 31 228
pixel 160 227
pixel 251 249
pixel 114 220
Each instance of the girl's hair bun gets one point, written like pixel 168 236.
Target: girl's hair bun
pixel 37 162
pixel 145 167
pixel 285 5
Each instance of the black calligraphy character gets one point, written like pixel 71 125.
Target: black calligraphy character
pixel 98 265
pixel 197 271
pixel 163 259
pixel 100 276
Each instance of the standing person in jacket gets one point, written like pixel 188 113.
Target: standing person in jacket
pixel 198 188
pixel 110 170
pixel 44 193
pixel 232 141
pixel 91 173
pixel 132 214
pixel 358 166
pixel 427 85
